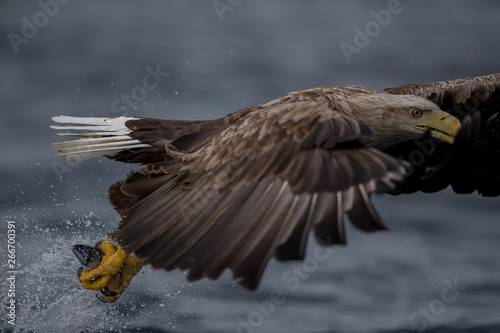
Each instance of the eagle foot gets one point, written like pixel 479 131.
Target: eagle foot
pixel 106 268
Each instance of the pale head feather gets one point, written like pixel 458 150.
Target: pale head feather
pixel 388 116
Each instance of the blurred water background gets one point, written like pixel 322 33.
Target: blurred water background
pixel 437 270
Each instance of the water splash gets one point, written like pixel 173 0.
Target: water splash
pixel 51 298
pixel 48 295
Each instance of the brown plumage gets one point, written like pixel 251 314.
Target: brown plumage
pixel 236 191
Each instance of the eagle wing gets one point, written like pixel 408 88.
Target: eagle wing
pixel 458 97
pixel 473 162
pixel 252 188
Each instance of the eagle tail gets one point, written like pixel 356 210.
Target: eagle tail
pixel 99 137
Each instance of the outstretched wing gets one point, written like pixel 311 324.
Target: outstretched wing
pixel 473 162
pixel 459 97
pixel 255 190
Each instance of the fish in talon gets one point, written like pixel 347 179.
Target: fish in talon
pixel 89 256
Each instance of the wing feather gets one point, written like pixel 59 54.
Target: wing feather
pixel 255 190
pixel 329 222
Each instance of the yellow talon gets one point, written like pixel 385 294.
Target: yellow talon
pixel 111 264
pixel 114 273
pixel 120 282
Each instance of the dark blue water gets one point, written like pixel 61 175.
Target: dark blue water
pixel 437 270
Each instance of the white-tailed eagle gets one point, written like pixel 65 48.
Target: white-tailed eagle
pixel 234 192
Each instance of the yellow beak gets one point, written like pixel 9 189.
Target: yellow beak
pixel 442 126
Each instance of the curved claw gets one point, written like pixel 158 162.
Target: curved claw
pixel 106 292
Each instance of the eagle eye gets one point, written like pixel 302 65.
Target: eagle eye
pixel 416 113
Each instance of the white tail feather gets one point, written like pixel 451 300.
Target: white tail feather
pixel 103 137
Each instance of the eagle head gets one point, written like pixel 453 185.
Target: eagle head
pixel 397 118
